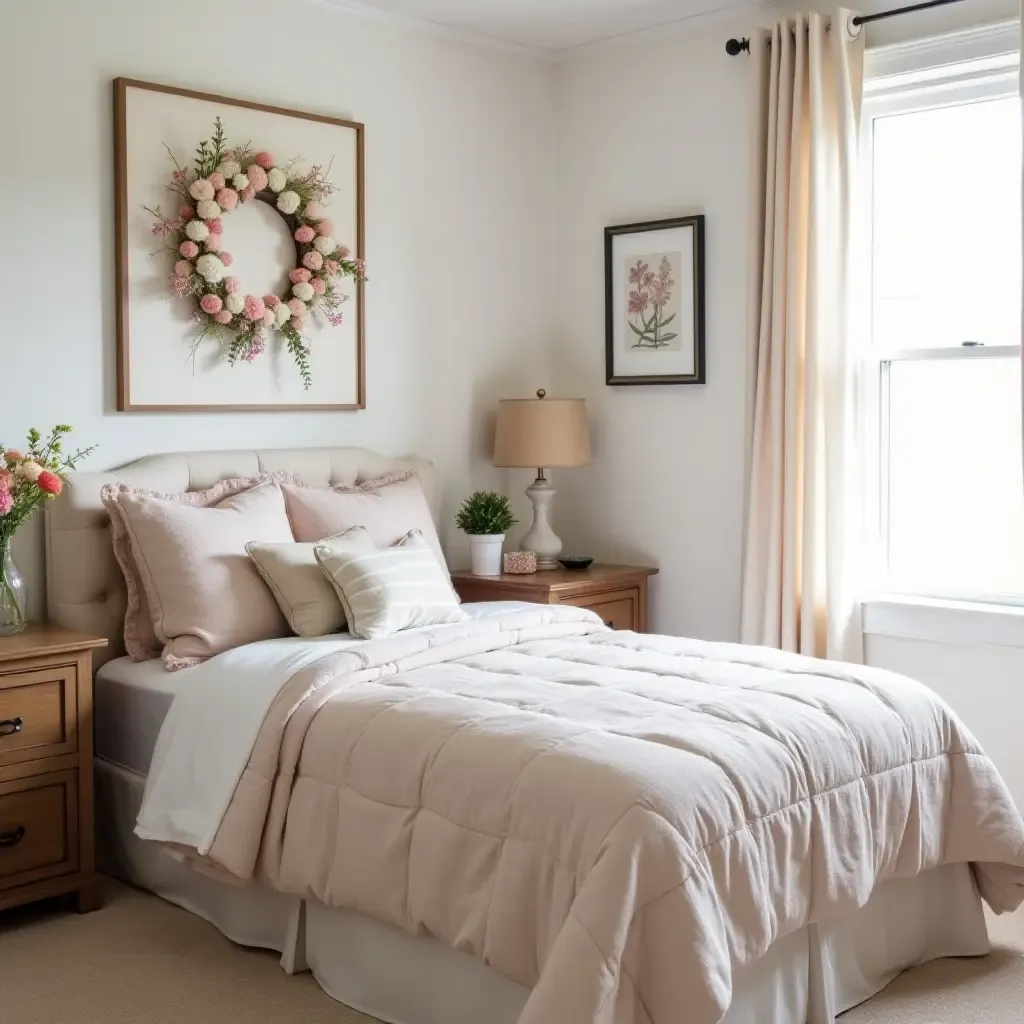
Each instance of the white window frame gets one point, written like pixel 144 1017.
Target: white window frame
pixel 968 67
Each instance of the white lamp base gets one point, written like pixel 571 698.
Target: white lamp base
pixel 540 538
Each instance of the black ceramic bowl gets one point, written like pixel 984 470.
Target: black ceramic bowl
pixel 575 563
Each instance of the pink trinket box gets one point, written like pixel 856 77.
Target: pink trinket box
pixel 519 562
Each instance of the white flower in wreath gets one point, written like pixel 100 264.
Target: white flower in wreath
pixel 324 244
pixel 201 189
pixel 303 290
pixel 208 209
pixel 288 202
pixel 229 168
pixel 210 268
pixel 282 314
pixel 235 302
pixel 197 231
pixel 240 182
pixel 276 179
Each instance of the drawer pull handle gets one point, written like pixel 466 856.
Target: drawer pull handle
pixel 13 836
pixel 9 726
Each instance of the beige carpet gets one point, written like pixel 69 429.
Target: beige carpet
pixel 140 959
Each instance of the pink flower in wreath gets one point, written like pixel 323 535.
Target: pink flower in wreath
pixel 313 261
pixel 6 480
pixel 331 267
pixel 179 285
pixel 189 250
pixel 325 227
pixel 254 308
pixel 222 317
pixel 212 243
pixel 217 180
pixel 264 159
pixel 268 318
pixel 182 268
pixel 227 198
pixel 314 211
pixel 318 285
pixel 271 301
pixel 231 285
pixel 216 225
pixel 344 252
pixel 186 213
pixel 298 274
pixel 257 177
pixel 226 258
pixel 248 194
pixel 12 455
pixel 211 303
pixel 6 502
pixel 298 308
pixel 305 234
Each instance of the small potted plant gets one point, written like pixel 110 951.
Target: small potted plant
pixel 486 517
pixel 28 479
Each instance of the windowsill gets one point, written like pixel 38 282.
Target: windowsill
pixel 964 623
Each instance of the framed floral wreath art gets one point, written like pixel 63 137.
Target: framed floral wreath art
pixel 223 338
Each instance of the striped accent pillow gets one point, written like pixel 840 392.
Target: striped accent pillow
pixel 385 590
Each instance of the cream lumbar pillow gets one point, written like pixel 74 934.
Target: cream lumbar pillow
pixel 385 590
pixel 204 593
pixel 299 586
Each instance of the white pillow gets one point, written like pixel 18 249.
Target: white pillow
pixel 386 590
pixel 299 586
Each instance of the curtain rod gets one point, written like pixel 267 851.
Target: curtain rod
pixel 737 46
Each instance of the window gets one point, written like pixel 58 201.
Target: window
pixel 946 489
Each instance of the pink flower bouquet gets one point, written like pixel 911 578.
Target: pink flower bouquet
pixel 28 479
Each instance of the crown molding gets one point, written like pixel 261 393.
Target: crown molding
pixel 433 28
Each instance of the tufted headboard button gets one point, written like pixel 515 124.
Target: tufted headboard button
pixel 101 597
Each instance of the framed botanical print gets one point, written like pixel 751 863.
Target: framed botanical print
pixel 654 302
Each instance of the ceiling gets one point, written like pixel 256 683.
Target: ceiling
pixel 549 24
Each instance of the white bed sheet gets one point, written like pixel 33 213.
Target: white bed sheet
pixel 809 977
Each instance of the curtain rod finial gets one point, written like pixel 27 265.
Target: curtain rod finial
pixel 737 46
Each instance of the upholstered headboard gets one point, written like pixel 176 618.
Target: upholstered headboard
pixel 85 589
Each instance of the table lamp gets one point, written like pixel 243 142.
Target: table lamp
pixel 541 433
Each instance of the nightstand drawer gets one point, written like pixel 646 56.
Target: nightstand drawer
pixel 618 609
pixel 38 828
pixel 38 713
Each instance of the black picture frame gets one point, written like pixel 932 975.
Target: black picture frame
pixel 699 375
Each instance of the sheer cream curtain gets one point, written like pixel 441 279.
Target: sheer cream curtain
pixel 803 506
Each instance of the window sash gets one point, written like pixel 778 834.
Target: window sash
pixel 907 91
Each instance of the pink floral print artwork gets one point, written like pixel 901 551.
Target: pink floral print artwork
pixel 652 303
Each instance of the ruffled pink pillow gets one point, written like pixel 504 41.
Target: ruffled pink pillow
pixel 140 638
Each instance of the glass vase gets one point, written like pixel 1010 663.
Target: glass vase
pixel 12 592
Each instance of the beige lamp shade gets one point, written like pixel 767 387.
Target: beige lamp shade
pixel 542 433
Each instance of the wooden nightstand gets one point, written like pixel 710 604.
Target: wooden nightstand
pixel 618 593
pixel 46 801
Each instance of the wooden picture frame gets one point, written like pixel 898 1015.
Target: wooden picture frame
pixel 654 302
pixel 126 402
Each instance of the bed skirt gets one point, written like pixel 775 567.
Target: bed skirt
pixel 806 978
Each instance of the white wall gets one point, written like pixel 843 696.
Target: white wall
pixel 459 212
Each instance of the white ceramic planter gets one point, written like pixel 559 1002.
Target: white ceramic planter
pixel 485 551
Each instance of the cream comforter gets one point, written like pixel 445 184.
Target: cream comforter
pixel 616 820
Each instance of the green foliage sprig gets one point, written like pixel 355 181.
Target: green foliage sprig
pixel 485 512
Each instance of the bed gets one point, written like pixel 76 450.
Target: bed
pixel 806 973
